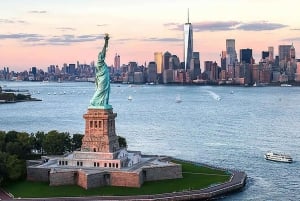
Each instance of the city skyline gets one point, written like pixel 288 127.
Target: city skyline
pixel 50 32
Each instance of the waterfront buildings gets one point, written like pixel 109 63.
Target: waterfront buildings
pixel 166 68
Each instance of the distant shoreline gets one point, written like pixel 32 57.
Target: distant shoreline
pixel 17 101
pixel 14 96
pixel 204 83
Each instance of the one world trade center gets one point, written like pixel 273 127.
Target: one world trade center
pixel 188 43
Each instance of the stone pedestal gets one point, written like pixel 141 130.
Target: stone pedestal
pixel 100 135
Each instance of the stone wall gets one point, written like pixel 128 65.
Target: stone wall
pixel 127 179
pixel 97 179
pixel 38 174
pixel 163 172
pixel 58 177
pixel 82 179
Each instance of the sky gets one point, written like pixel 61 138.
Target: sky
pixel 41 33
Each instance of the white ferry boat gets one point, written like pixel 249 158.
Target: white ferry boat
pixel 285 85
pixel 278 157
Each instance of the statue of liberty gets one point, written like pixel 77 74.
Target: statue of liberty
pixel 102 81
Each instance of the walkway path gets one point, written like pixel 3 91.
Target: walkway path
pixel 4 195
pixel 237 182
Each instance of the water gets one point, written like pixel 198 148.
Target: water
pixel 230 127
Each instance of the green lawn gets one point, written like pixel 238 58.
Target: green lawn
pixel 194 177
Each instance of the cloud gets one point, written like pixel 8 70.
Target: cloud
pixel 171 24
pixel 215 26
pixel 152 39
pixel 8 21
pixel 66 28
pixel 36 39
pixel 19 36
pixel 227 26
pixel 295 29
pixel 37 11
pixel 124 39
pixel 260 26
pixel 291 39
pixel 68 39
pixel 33 39
pixel 163 39
pixel 102 25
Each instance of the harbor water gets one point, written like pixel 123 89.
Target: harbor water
pixel 224 126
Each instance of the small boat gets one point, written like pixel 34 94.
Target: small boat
pixel 279 157
pixel 178 99
pixel 130 98
pixel 259 84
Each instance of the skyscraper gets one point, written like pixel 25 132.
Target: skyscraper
pixel 292 52
pixel 246 56
pixel 230 49
pixel 195 66
pixel 117 62
pixel 271 53
pixel 166 57
pixel 188 43
pixel 158 58
pixel 284 52
pixel 265 55
pixel 152 72
pixel 223 60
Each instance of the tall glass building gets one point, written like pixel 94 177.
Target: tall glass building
pixel 284 52
pixel 230 49
pixel 188 43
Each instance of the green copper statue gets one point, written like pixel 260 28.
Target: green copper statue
pixel 102 81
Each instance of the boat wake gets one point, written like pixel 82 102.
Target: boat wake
pixel 214 95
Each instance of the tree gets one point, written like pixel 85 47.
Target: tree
pixel 23 97
pixel 37 141
pixel 3 170
pixel 122 142
pixel 76 141
pixel 56 143
pixel 24 141
pixel 2 140
pixel 11 136
pixel 18 143
pixel 14 148
pixel 16 168
pixel 11 168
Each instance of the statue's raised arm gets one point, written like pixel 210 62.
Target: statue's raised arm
pixel 102 80
pixel 102 54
